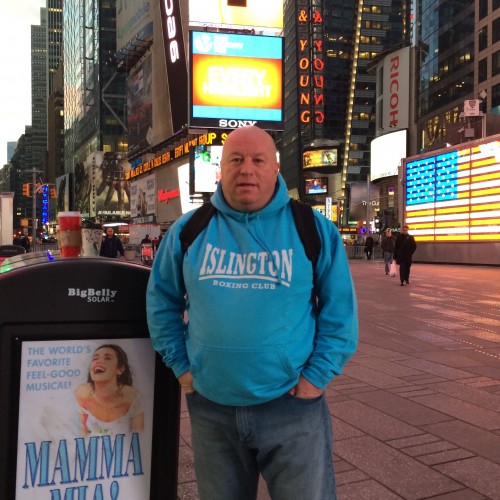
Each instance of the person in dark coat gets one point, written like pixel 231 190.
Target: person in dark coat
pixel 403 253
pixel 369 247
pixel 111 245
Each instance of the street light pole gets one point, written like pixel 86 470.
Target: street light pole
pixel 368 203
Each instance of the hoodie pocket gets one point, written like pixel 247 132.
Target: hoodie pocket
pixel 245 373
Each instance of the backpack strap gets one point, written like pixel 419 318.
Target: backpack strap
pixel 306 227
pixel 198 221
pixel 303 217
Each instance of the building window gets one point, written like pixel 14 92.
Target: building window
pixel 495 30
pixel 495 99
pixel 482 73
pixel 495 4
pixel 483 9
pixel 483 38
pixel 495 63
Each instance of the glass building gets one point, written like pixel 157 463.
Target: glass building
pixel 445 66
pixel 94 93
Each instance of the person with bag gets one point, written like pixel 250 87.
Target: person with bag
pixel 388 244
pixel 403 253
pixel 265 331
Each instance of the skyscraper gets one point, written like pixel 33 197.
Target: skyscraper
pixel 329 96
pixel 94 93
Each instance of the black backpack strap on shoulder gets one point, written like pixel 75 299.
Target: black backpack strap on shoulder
pixel 306 227
pixel 195 225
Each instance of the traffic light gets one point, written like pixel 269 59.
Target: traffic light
pixel 27 189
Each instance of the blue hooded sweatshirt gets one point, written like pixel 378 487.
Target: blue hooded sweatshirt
pixel 256 322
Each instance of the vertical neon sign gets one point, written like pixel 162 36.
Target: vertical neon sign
pixel 311 64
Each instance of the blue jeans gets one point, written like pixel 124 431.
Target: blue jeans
pixel 287 440
pixel 388 257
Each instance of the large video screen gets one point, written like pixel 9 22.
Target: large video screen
pixel 251 13
pixel 235 80
pixel 455 196
pixel 320 158
pixel 205 169
pixel 387 153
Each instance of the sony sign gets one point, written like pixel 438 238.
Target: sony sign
pixel 177 75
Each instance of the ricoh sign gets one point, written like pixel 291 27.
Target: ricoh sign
pixel 396 90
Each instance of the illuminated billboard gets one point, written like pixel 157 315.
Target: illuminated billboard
pixel 387 153
pixel 204 173
pixel 455 195
pixel 251 13
pixel 320 158
pixel 236 80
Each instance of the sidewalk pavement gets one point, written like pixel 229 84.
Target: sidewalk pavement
pixel 416 413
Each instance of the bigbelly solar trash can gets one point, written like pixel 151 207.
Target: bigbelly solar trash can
pixel 88 409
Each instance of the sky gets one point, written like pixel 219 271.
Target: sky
pixel 16 18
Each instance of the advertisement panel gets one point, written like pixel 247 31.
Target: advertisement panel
pixel 62 188
pixel 100 186
pixel 133 21
pixel 236 80
pixel 140 106
pixel 251 13
pixel 205 169
pixel 320 158
pixel 396 90
pixel 387 153
pixel 454 195
pixel 78 438
pixel 142 199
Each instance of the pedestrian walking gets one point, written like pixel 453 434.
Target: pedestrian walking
pixel 388 245
pixel 403 253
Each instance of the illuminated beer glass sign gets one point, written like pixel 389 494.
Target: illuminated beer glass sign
pixel 236 80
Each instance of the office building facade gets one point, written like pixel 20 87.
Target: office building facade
pixel 330 97
pixel 94 92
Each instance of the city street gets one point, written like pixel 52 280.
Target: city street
pixel 416 413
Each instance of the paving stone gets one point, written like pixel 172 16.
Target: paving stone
pixel 403 409
pixel 350 476
pixel 453 359
pixel 187 491
pixel 468 393
pixel 342 430
pixel 371 421
pixel 342 466
pixel 412 441
pixel 379 352
pixel 470 437
pixel 399 473
pixel 374 377
pixel 408 393
pixel 365 490
pixel 429 448
pixel 186 467
pixel 461 410
pixel 437 369
pixel 445 456
pixel 387 367
pixel 465 494
pixel 477 473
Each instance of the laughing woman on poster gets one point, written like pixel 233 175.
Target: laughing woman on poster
pixel 108 402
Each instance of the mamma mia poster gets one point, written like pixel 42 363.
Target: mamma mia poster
pixel 85 420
